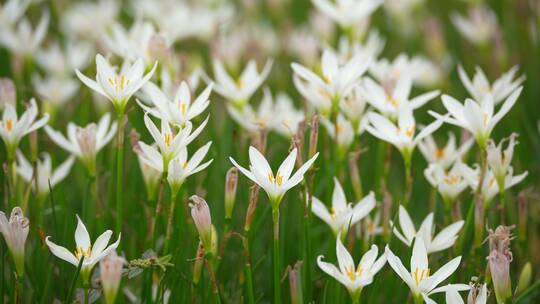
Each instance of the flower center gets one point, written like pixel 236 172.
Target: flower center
pixel 80 252
pixel 394 102
pixel 239 83
pixel 451 179
pixel 9 124
pixel 119 82
pixel 420 274
pixel 277 180
pixel 439 153
pixel 352 274
pixel 167 138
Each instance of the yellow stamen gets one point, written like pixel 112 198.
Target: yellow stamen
pixel 394 102
pixel 279 179
pixel 486 119
pixel 271 177
pixel 451 179
pixel 419 276
pixel 9 124
pixel 167 139
pixel 80 252
pixel 183 108
pixel 439 154
pixel 239 83
pixel 409 132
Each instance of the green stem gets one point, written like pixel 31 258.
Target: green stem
pixel 211 273
pixel 479 204
pixel 502 199
pixel 277 285
pixel 247 268
pixel 170 220
pixel 119 170
pixel 159 206
pixel 86 294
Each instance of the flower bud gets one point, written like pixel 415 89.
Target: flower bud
pixel 158 48
pixel 202 219
pixel 524 279
pixel 231 182
pixel 150 175
pixel 111 268
pixel 295 284
pixel 86 138
pixel 197 265
pixel 15 232
pixel 499 262
pixel 313 136
pixel 499 160
pixel 8 94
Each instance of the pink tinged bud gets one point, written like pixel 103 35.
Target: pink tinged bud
pixel 15 232
pixel 86 138
pixel 499 261
pixel 200 212
pixel 158 47
pixel 231 182
pixel 8 94
pixel 295 284
pixel 111 269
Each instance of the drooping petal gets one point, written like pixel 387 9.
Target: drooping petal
pixel 61 252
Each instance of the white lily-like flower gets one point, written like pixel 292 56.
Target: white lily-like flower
pixel 169 144
pixel 85 142
pixel 13 128
pixel 180 167
pixel 62 61
pixel 479 26
pixel 479 85
pixel 88 20
pixel 401 135
pixel 240 90
pixel 276 185
pixel 315 97
pixel 354 107
pixel 44 172
pixel 179 110
pixel 55 91
pixel 443 156
pixel 449 183
pixel 280 115
pixel 452 295
pixel 370 226
pixel 92 253
pixel 343 215
pixel 15 231
pixel 337 79
pixel 420 70
pixel 343 132
pixel 420 280
pixel 25 41
pixel 443 240
pixel 353 277
pixel 477 118
pixel 490 187
pixel 347 13
pixel 391 103
pixel 499 160
pixel 118 88
pixel 151 175
pixel 11 11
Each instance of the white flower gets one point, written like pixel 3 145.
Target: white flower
pixel 23 40
pixel 343 215
pixel 479 27
pixel 316 97
pixel 390 103
pixel 447 155
pixel 477 118
pixel 13 128
pixel 15 231
pixel 347 13
pixel 498 160
pixel 337 79
pixel 402 134
pixel 279 116
pixel 354 107
pixel 200 213
pixel 370 226
pixel 118 88
pixel 479 85
pixel 11 11
pixel 490 187
pixel 443 240
pixel 44 172
pixel 238 91
pixel 85 142
pixel 179 110
pixel 274 185
pixel 420 70
pixel 353 277
pixel 92 253
pixel 370 48
pixel 452 295
pixel 56 91
pixel 420 279
pixel 170 144
pixel 63 61
pixel 151 175
pixel 88 20
pixel 449 183
pixel 180 167
pixel 342 132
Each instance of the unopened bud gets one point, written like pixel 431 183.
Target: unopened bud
pixel 200 212
pixel 8 94
pixel 86 138
pixel 313 136
pixel 231 182
pixel 253 199
pixel 524 279
pixel 499 260
pixel 214 242
pixel 111 268
pixel 158 48
pixel 295 285
pixel 15 231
